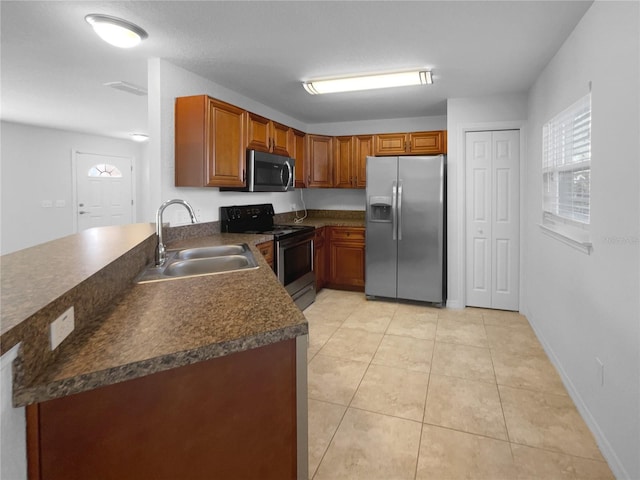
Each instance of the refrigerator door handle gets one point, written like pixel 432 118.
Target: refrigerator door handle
pixel 394 209
pixel 400 210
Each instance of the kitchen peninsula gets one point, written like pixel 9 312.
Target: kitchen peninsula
pixel 172 378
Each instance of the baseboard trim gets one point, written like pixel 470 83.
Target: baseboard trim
pixel 607 450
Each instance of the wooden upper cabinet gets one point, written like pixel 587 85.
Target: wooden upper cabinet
pixel 364 149
pixel 280 139
pixel 343 160
pixel 390 143
pixel 350 160
pixel 415 143
pixel 430 143
pixel 319 161
pixel 297 150
pixel 266 135
pixel 210 143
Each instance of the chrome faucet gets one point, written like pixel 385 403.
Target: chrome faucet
pixel 161 253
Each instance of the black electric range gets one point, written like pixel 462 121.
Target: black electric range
pixel 293 247
pixel 256 219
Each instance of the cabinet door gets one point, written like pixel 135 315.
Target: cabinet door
pixel 266 249
pixel 346 258
pixel 320 258
pixel 343 159
pixel 364 148
pixel 319 161
pixel 390 143
pixel 192 119
pixel 209 149
pixel 430 143
pixel 258 137
pixel 297 150
pixel 226 149
pixel 280 139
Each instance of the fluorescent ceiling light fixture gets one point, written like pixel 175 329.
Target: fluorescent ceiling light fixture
pixel 116 31
pixel 369 82
pixel 127 87
pixel 139 137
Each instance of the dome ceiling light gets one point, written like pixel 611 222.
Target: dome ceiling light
pixel 369 82
pixel 116 31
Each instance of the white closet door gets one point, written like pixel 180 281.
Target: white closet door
pixel 493 224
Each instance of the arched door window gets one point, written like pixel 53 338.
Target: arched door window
pixel 104 170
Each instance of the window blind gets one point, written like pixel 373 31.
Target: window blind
pixel 566 164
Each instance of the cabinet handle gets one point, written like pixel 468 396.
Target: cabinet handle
pixel 244 178
pixel 308 180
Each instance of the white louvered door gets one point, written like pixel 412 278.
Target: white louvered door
pixel 492 219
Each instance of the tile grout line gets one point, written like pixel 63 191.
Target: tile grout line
pixel 504 418
pixel 350 401
pixel 426 396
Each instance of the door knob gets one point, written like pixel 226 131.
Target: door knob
pixel 480 231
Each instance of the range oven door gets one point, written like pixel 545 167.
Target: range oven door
pixel 294 257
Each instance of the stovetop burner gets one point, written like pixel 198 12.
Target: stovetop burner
pixel 256 219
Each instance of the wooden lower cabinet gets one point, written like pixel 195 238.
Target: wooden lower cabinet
pixel 266 249
pixel 346 258
pixel 320 258
pixel 228 417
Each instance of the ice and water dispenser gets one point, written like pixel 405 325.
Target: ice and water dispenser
pixel 380 209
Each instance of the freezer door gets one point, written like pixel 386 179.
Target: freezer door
pixel 421 228
pixel 381 250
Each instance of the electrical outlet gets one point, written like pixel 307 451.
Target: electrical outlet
pixel 61 327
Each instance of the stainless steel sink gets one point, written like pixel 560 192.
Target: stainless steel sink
pixel 204 266
pixel 201 261
pixel 217 251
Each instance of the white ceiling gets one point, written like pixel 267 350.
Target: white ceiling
pixel 54 66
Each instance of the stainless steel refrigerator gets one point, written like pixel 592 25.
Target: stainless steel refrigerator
pixel 406 228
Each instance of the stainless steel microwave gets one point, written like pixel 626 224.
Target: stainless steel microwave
pixel 266 172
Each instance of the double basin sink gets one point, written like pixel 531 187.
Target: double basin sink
pixel 192 262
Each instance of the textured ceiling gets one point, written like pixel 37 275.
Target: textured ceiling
pixel 53 66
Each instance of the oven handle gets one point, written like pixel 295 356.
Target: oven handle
pixel 297 240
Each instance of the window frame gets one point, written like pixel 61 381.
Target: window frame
pixel 566 152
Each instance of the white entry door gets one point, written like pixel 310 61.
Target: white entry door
pixel 104 190
pixel 493 219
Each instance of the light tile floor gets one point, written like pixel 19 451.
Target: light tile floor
pixel 400 390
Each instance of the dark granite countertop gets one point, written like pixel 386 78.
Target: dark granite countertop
pixel 327 218
pixel 152 327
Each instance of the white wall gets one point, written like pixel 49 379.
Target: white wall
pixel 389 125
pixel 13 443
pixel 166 82
pixel 467 114
pixel 36 166
pixel 587 306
